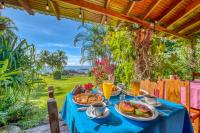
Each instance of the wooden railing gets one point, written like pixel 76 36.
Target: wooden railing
pixel 53 111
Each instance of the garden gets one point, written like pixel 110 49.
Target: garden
pixel 23 84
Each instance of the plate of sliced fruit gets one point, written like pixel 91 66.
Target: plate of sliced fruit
pixel 136 110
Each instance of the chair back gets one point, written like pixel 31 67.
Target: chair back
pixel 144 85
pixel 178 91
pixel 160 89
pixel 152 88
pixel 148 86
pixel 172 88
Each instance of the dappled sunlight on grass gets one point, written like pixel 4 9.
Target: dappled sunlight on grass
pixel 61 88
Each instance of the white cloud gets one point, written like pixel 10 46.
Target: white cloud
pixel 60 45
pixel 75 61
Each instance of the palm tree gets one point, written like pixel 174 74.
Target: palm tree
pixel 7 26
pixel 92 43
pixel 60 59
pixel 44 57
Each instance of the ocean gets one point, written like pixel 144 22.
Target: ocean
pixel 84 69
pixel 78 68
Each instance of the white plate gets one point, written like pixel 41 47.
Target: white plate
pixel 86 104
pixel 92 116
pixel 146 93
pixel 154 111
pixel 114 93
pixel 158 104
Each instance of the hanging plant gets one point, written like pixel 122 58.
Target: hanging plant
pixel 142 41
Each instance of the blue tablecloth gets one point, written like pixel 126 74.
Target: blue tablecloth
pixel 175 120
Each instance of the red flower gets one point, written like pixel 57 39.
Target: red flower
pixel 102 69
pixel 88 86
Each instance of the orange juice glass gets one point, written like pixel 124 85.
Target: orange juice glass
pixel 107 90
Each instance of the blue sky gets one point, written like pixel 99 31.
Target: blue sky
pixel 46 32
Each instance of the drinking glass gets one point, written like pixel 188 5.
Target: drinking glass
pixel 122 97
pixel 107 90
pixel 135 88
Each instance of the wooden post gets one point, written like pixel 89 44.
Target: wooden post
pixel 53 111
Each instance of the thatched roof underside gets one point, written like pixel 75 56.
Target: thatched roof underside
pixel 177 17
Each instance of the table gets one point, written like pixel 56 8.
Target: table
pixel 194 95
pixel 174 120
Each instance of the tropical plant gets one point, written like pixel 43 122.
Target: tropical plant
pixel 123 53
pixel 18 74
pixel 7 26
pixel 172 58
pixel 60 59
pixel 164 56
pixel 91 40
pixel 6 76
pixel 102 70
pixel 19 57
pixel 55 61
pixel 44 57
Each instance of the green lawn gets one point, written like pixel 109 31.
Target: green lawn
pixel 61 88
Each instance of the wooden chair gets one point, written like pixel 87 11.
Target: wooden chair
pixel 172 89
pixel 152 88
pixel 144 85
pixel 173 93
pixel 148 86
pixel 160 89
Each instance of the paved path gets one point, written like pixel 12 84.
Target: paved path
pixel 46 129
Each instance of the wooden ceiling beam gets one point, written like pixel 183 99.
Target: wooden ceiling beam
pixel 128 11
pixel 101 10
pixel 55 8
pixel 192 21
pixel 25 4
pixel 151 8
pixel 107 2
pixel 192 31
pixel 191 7
pixel 130 8
pixel 168 9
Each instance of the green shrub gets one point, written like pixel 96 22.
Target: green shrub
pixel 19 110
pixel 89 73
pixel 3 118
pixel 39 116
pixel 26 115
pixel 57 75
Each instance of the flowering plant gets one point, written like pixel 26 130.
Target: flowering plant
pixel 88 86
pixel 102 69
